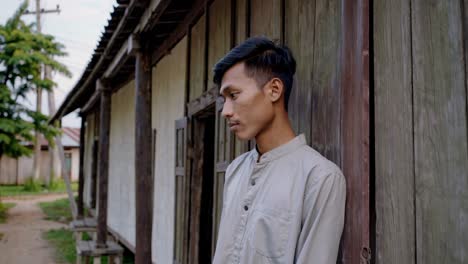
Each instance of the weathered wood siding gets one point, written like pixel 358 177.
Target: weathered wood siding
pixel 198 69
pixel 219 34
pixel 169 85
pixel 266 18
pixel 421 159
pixel 121 182
pixel 88 157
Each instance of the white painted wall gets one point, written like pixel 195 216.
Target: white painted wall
pixel 169 81
pixel 75 165
pixel 121 192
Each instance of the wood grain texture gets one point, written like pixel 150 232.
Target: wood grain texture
pixel 196 192
pixel 103 162
pixel 440 132
pixel 354 82
pixel 219 35
pixel 394 160
pixel 143 158
pixel 299 37
pixel 325 99
pixel 81 168
pixel 241 21
pixel 266 18
pixel 197 58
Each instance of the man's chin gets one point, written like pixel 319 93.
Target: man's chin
pixel 243 136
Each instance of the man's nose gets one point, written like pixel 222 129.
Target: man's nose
pixel 227 109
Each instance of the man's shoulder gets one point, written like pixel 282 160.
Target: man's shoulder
pixel 317 165
pixel 237 162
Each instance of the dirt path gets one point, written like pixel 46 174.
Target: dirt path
pixel 22 233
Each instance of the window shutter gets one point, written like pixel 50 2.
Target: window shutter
pixel 181 191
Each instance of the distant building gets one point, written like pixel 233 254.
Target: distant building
pixel 16 171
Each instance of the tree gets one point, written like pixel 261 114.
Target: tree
pixel 23 53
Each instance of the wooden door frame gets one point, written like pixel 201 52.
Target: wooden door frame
pixel 197 109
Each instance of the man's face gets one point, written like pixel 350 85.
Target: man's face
pixel 246 107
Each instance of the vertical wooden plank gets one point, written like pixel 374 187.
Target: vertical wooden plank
pixel 197 58
pixel 94 172
pixel 326 95
pixel 219 34
pixel 299 37
pixel 241 34
pixel 103 164
pixel 440 132
pixel 241 21
pixel 354 71
pixel 196 192
pixel 394 160
pixel 143 166
pixel 266 18
pixel 181 220
pixel 81 168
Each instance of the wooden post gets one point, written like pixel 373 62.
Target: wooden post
pixel 103 162
pixel 81 172
pixel 143 166
pixel 355 130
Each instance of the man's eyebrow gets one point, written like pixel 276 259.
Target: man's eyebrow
pixel 224 88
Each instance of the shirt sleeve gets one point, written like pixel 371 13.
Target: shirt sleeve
pixel 322 220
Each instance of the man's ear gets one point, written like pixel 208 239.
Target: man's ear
pixel 275 89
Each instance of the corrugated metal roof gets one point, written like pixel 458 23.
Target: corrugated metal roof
pixel 124 19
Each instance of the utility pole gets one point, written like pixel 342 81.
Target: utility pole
pixel 58 146
pixel 54 159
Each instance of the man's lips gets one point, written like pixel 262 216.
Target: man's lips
pixel 233 124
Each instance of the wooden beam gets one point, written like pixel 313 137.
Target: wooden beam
pixel 103 164
pixel 81 169
pixel 197 9
pixel 91 103
pixel 355 129
pixel 143 157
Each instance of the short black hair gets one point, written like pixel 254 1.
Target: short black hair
pixel 264 59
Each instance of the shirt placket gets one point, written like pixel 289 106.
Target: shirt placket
pixel 252 191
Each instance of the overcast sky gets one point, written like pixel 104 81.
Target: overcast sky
pixel 78 27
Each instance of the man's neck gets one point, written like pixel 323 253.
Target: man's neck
pixel 278 133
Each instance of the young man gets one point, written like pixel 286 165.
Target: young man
pixel 283 201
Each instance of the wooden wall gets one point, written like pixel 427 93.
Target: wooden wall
pixel 312 30
pixel 121 192
pixel 8 170
pixel 25 168
pixel 421 159
pixel 169 85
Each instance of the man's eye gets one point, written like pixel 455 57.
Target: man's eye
pixel 233 95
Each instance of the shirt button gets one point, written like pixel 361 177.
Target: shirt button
pixel 252 182
pixel 246 207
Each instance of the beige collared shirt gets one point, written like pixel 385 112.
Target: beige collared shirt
pixel 286 208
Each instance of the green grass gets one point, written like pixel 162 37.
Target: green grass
pixel 64 243
pixel 65 251
pixel 62 239
pixel 58 210
pixel 35 188
pixel 3 211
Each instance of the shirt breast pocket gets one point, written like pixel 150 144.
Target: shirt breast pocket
pixel 269 233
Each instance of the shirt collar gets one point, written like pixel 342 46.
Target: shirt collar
pixel 279 151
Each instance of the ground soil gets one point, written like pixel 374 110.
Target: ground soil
pixel 22 240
